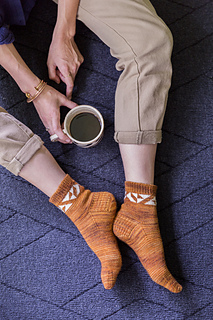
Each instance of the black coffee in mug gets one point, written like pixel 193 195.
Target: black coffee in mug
pixel 84 127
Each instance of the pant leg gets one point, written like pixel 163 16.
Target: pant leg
pixel 17 143
pixel 142 43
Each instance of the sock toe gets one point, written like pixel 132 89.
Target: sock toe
pixel 173 286
pixel 165 279
pixel 109 272
pixel 108 279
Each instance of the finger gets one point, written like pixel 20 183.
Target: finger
pixel 51 133
pixel 69 81
pixel 52 71
pixel 68 78
pixel 56 127
pixel 69 88
pixel 58 74
pixel 62 137
pixel 62 141
pixel 48 128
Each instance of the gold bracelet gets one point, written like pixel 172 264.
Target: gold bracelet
pixel 28 95
pixel 40 87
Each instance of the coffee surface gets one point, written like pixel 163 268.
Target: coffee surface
pixel 85 127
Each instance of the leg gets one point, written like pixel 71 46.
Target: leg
pixel 93 213
pixel 139 162
pixel 50 173
pixel 142 43
pixel 17 142
pixel 136 223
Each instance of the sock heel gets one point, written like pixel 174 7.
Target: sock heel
pixel 103 201
pixel 121 228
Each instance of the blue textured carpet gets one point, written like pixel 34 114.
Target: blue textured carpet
pixel 47 271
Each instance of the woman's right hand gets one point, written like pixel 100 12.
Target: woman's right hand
pixel 48 105
pixel 64 60
pixel 64 57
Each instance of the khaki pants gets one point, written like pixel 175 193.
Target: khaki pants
pixel 142 43
pixel 17 143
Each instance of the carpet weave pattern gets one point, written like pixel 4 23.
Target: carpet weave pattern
pixel 46 269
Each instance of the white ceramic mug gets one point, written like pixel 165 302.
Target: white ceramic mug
pixel 71 115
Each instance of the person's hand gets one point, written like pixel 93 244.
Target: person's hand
pixel 63 61
pixel 48 105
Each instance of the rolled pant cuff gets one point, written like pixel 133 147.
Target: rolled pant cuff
pixel 138 137
pixel 25 154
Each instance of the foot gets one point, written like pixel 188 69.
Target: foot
pixel 93 213
pixel 137 225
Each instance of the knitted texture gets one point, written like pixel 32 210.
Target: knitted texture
pixel 137 225
pixel 93 213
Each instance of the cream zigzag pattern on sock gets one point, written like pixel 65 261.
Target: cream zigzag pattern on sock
pixel 146 199
pixel 69 198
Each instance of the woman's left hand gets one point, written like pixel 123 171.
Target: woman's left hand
pixel 64 60
pixel 48 105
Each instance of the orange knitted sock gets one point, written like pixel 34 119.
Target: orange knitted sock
pixel 93 214
pixel 137 225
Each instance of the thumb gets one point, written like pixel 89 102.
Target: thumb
pixel 68 103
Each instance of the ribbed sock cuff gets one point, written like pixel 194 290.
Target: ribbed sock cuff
pixel 149 189
pixel 62 190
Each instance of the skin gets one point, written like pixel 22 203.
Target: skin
pixel 48 103
pixel 64 60
pixel 50 173
pixel 138 160
pixel 62 64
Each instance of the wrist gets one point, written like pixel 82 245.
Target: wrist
pixel 38 90
pixel 64 30
pixel 30 85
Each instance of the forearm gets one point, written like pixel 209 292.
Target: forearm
pixel 48 103
pixel 17 68
pixel 66 19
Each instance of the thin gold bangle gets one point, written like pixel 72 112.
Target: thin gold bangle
pixel 40 87
pixel 28 95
